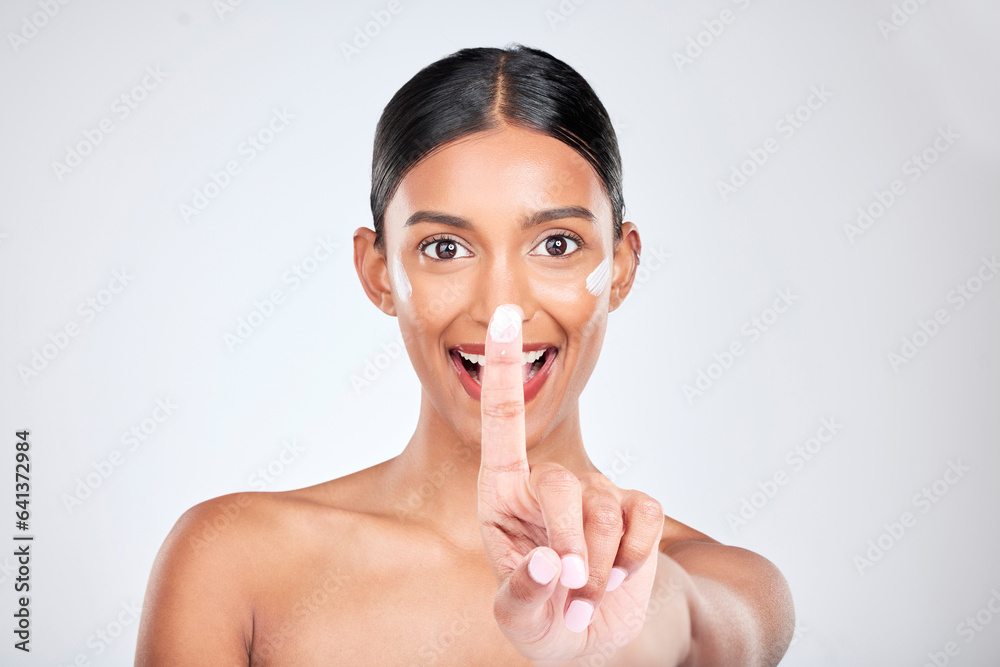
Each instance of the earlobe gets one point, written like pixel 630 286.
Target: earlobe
pixel 626 264
pixel 372 271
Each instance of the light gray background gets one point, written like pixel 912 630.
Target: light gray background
pixel 682 129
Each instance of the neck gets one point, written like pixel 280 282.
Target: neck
pixel 434 481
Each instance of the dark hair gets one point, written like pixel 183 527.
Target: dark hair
pixel 478 89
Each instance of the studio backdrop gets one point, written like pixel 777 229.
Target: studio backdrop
pixel 806 366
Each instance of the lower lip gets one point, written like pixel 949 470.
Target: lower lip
pixel 531 387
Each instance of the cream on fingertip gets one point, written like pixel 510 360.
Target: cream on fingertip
pixel 506 324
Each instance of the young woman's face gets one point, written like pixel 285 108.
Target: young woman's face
pixel 504 216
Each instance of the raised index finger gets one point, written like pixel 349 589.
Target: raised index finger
pixel 502 395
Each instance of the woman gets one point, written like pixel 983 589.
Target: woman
pixel 492 539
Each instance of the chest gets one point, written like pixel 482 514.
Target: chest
pixel 425 614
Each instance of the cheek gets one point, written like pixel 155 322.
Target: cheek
pixel 571 299
pixel 575 300
pixel 437 300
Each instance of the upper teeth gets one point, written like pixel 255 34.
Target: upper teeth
pixel 526 357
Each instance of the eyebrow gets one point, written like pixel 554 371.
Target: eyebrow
pixel 536 218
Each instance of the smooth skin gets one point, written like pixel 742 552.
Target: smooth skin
pixel 528 513
pixel 438 555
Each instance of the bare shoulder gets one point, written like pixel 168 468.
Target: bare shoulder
pixel 700 554
pixel 217 560
pixel 734 583
pixel 675 532
pixel 682 542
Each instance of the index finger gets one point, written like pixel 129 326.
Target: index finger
pixel 502 395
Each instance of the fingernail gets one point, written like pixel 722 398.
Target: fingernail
pixel 578 615
pixel 616 578
pixel 574 574
pixel 505 325
pixel 541 568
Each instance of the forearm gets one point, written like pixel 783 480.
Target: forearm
pixel 665 639
pixel 707 612
pixel 740 607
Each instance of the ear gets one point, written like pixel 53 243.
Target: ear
pixel 626 263
pixel 372 270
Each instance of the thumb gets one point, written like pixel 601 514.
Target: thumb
pixel 519 606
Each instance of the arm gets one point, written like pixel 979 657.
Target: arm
pixel 196 609
pixel 713 605
pixel 741 607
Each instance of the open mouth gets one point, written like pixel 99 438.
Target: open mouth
pixel 531 363
pixel 535 367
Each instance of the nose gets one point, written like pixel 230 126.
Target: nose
pixel 501 280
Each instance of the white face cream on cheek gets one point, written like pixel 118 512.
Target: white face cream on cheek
pixel 598 278
pixel 402 282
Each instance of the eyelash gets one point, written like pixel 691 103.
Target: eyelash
pixel 444 237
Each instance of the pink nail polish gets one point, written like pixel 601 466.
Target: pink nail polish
pixel 541 568
pixel 574 574
pixel 616 578
pixel 578 615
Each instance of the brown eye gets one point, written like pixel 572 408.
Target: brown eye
pixel 558 245
pixel 555 245
pixel 443 248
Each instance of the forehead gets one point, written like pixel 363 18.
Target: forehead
pixel 500 173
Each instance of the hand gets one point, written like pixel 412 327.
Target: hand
pixel 559 546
